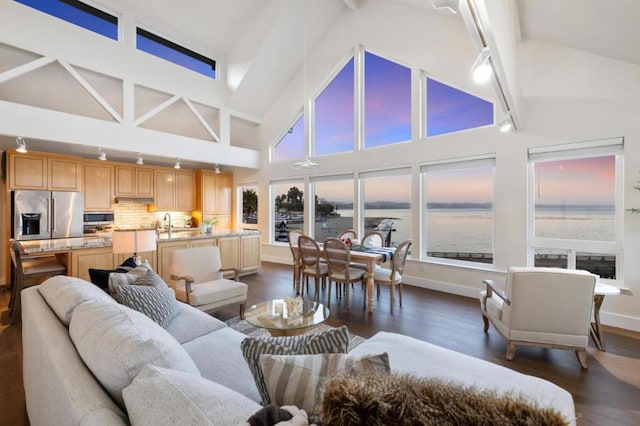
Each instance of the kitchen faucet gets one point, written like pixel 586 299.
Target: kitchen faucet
pixel 167 216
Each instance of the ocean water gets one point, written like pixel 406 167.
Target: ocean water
pixel 470 230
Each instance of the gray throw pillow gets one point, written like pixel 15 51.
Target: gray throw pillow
pixel 150 295
pixel 127 278
pixel 335 340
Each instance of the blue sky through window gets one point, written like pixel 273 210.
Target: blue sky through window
pixel 387 101
pixel 334 114
pixel 450 110
pixel 291 146
pixel 78 13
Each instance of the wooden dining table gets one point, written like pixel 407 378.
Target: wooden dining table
pixel 368 258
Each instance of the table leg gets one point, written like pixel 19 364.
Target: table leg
pixel 371 264
pixel 595 331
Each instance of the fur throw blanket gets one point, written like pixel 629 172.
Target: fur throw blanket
pixel 406 400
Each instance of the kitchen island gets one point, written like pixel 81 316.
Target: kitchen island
pixel 238 249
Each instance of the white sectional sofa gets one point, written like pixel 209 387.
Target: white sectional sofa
pixel 60 389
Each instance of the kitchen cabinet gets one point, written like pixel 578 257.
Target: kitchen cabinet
pixel 249 253
pixel 132 181
pixel 215 197
pixel 229 252
pixel 83 259
pixel 98 186
pixel 174 190
pixel 36 171
pixel 185 191
pixel 224 187
pixel 204 242
pixel 164 257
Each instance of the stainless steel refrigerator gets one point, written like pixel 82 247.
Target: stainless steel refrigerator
pixel 40 215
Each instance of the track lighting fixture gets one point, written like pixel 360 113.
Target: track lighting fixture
pixel 481 70
pixel 102 156
pixel 506 124
pixel 139 161
pixel 22 145
pixel 451 5
pixel 217 170
pixel 177 165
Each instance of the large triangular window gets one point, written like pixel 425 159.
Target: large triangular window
pixel 291 145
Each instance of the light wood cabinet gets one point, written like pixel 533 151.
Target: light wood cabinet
pixel 164 256
pixel 97 258
pixel 64 174
pixel 204 242
pixel 224 187
pixel 165 190
pixel 98 186
pixel 134 181
pixel 229 252
pixel 185 191
pixel 215 197
pixel 249 253
pixel 37 171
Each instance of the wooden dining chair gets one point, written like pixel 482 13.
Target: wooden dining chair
pixel 348 233
pixel 338 259
pixel 310 256
pixel 372 239
pixel 293 246
pixel 393 277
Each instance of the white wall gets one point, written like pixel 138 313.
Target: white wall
pixel 566 96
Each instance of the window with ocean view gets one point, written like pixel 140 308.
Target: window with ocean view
pixel 458 217
pixel 288 208
pixel 387 203
pixel 574 210
pixel 291 145
pixel 334 114
pixel 333 207
pixel 249 197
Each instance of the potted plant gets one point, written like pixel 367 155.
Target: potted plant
pixel 208 224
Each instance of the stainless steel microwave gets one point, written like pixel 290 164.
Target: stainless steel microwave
pixel 98 218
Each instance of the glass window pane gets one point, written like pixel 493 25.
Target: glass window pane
pixel 172 52
pixel 78 13
pixel 387 207
pixel 551 258
pixel 575 199
pixel 333 207
pixel 387 101
pixel 334 114
pixel 459 213
pixel 450 110
pixel 291 146
pixel 288 209
pixel 603 265
pixel 250 204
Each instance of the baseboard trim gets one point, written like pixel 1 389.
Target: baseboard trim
pixel 620 321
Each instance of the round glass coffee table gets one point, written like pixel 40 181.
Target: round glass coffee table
pixel 273 316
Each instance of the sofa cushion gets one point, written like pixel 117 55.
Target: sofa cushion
pixel 298 379
pixel 150 295
pixel 64 293
pixel 116 342
pixel 378 399
pixel 127 278
pixel 190 323
pixel 335 340
pixel 160 396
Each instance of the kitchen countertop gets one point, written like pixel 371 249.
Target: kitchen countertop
pixel 104 240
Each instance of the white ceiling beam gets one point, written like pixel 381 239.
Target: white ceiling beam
pixel 26 68
pixel 202 120
pixel 166 104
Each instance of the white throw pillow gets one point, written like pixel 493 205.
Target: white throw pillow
pixel 116 342
pixel 64 293
pixel 159 396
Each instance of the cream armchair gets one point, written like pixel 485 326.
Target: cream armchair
pixel 196 277
pixel 548 307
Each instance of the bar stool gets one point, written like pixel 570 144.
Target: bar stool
pixel 29 271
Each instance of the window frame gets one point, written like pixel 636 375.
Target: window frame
pixel 451 165
pixel 272 202
pixel 579 150
pixel 299 116
pixel 240 201
pixel 330 178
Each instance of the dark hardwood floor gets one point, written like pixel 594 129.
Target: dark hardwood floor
pixel 608 393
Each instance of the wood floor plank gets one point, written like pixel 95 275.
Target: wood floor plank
pixel 607 394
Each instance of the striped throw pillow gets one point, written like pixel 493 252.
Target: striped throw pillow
pixel 299 379
pixel 150 295
pixel 335 340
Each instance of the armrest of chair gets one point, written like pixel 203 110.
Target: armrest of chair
pixel 236 272
pixel 188 280
pixel 491 288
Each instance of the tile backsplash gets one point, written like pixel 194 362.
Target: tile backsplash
pixel 135 215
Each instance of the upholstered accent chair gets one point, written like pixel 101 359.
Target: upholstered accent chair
pixel 310 255
pixel 197 278
pixel 393 277
pixel 338 258
pixel 548 307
